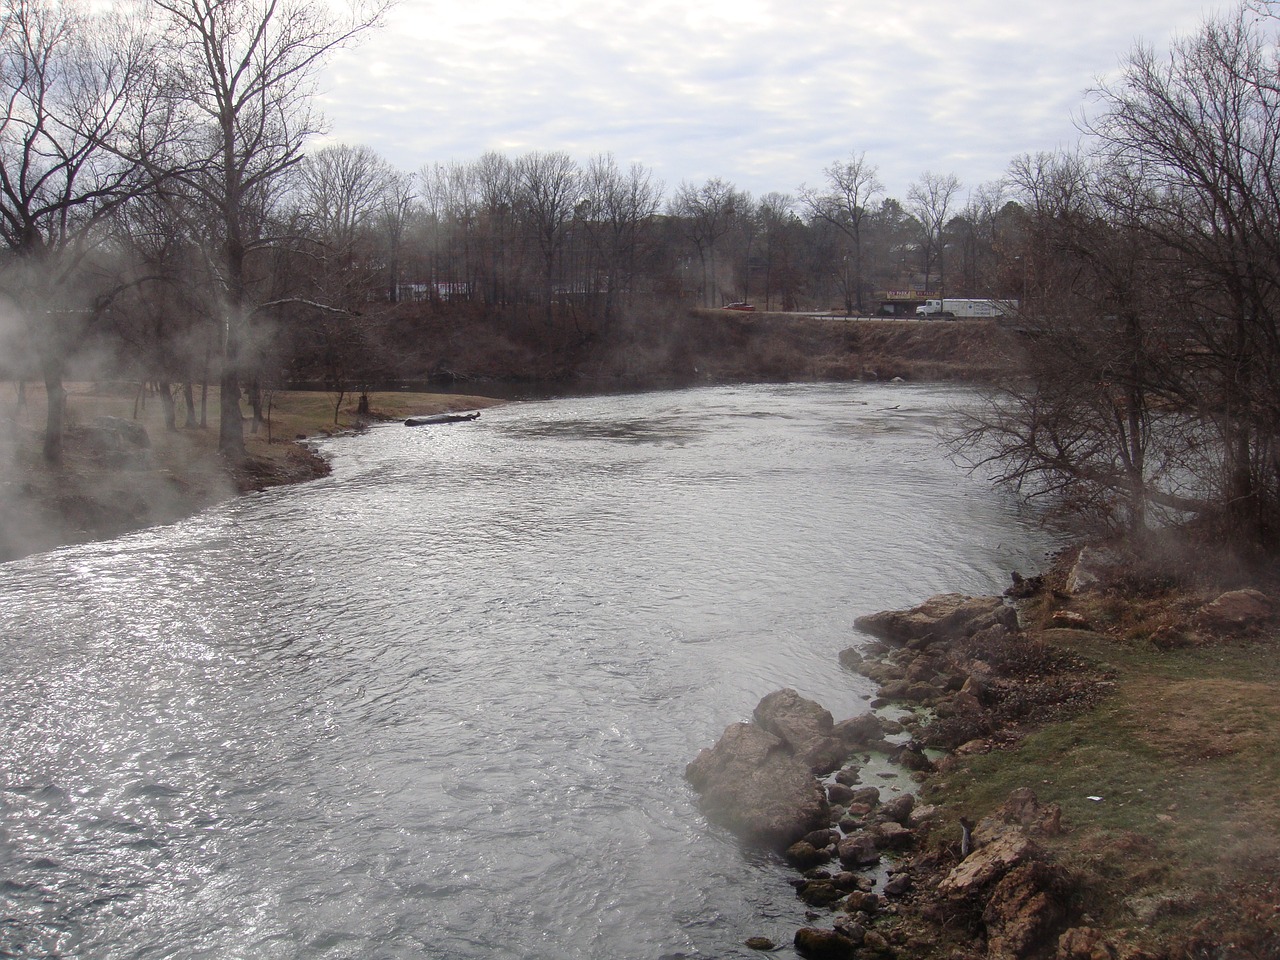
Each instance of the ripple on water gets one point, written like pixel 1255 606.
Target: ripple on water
pixel 440 702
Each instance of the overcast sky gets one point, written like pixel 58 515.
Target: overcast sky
pixel 761 93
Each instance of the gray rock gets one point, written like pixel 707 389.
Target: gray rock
pixel 1026 911
pixel 898 810
pixel 823 944
pixel 850 927
pixel 943 617
pixel 1092 569
pixel 913 758
pixel 983 868
pixel 117 441
pixel 751 784
pixel 860 730
pixel 804 726
pixel 898 885
pixel 822 838
pixel 867 795
pixel 892 836
pixel 819 893
pixel 839 793
pixel 804 855
pixel 858 850
pixel 1236 610
pixel 848 776
pixel 862 901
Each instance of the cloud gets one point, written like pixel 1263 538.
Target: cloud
pixel 763 93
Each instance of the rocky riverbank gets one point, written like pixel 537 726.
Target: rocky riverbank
pixel 1040 826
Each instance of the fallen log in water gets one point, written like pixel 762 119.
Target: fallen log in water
pixel 441 418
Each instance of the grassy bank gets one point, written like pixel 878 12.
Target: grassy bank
pixel 1182 847
pixel 1167 786
pixel 92 495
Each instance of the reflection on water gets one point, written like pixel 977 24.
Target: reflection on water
pixel 439 703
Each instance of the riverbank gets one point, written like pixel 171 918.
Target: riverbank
pixel 1099 776
pixel 132 472
pixel 684 347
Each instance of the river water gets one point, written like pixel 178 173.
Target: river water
pixel 439 703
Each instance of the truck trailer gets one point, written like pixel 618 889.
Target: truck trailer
pixel 951 307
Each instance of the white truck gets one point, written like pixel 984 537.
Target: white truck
pixel 954 308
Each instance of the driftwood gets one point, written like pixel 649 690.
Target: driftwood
pixel 438 418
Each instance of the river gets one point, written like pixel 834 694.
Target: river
pixel 439 703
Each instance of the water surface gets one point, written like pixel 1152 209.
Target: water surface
pixel 439 703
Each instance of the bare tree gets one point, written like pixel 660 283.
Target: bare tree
pixel 706 213
pixel 930 200
pixel 779 231
pixel 1094 424
pixel 1156 347
pixel 76 91
pixel 496 184
pixel 245 70
pixel 550 188
pixel 1202 129
pixel 843 202
pixel 619 211
pixel 395 211
pixel 343 188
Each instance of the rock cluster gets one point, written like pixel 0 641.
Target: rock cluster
pixel 980 675
pixel 785 780
pixel 760 780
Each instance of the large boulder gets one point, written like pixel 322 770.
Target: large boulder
pixel 947 616
pixel 116 441
pixel 823 944
pixel 1002 843
pixel 1236 610
pixel 1026 911
pixel 1093 569
pixel 806 728
pixel 752 784
pixel 987 865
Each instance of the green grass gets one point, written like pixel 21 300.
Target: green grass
pixel 1185 756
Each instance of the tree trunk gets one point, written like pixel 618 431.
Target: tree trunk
pixel 230 419
pixel 56 409
pixel 170 408
pixel 188 394
pixel 255 401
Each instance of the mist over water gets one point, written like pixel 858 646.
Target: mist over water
pixel 439 703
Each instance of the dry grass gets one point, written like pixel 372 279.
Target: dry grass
pixel 87 498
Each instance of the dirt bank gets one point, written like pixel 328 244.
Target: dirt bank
pixel 727 345
pixel 659 347
pixel 108 484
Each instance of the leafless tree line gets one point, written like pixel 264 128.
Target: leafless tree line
pixel 156 202
pixel 1154 252
pixel 143 148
